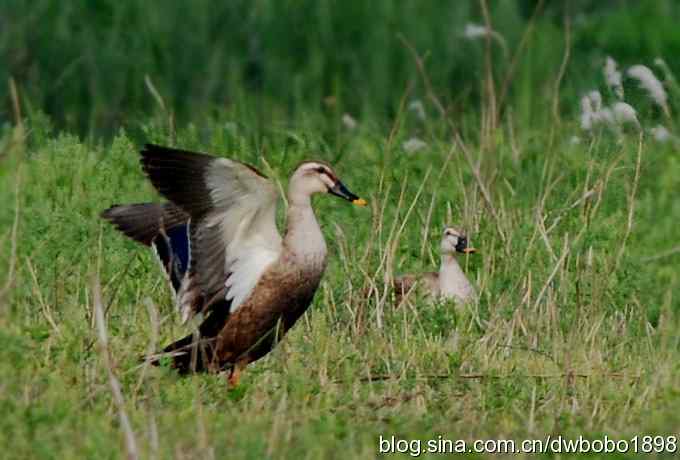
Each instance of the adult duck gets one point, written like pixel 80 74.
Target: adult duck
pixel 217 240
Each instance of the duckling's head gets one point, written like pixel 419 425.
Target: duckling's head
pixel 312 177
pixel 455 240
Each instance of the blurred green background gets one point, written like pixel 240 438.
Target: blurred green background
pixel 84 63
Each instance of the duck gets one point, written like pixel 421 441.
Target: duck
pixel 217 241
pixel 450 282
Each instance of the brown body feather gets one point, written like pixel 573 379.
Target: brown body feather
pixel 404 285
pixel 279 299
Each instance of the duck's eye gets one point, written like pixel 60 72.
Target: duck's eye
pixel 320 170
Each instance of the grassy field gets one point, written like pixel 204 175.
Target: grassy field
pixel 575 331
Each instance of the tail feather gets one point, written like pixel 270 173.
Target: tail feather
pixel 196 352
pixel 188 354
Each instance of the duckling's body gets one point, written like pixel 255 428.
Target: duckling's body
pixel 450 283
pixel 218 244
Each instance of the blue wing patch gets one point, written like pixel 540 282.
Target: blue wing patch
pixel 173 250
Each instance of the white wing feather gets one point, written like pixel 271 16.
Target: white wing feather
pixel 245 217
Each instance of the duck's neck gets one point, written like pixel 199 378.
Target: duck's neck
pixel 452 281
pixel 304 239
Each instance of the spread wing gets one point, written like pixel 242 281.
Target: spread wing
pixel 232 232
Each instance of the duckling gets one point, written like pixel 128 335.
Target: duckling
pixel 450 283
pixel 218 243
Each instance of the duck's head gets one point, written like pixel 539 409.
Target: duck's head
pixel 455 240
pixel 312 177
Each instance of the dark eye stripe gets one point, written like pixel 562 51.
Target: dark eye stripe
pixel 327 173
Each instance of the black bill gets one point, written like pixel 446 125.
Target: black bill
pixel 340 190
pixel 463 246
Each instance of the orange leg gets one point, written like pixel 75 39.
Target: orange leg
pixel 235 374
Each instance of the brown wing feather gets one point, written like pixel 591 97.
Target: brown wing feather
pixel 404 284
pixel 226 200
pixel 179 175
pixel 142 221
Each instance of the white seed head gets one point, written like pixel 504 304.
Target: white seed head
pixel 606 116
pixel 473 31
pixel 651 84
pixel 586 105
pixel 586 113
pixel 414 144
pixel 661 134
pixel 660 62
pixel 418 108
pixel 349 122
pixel 624 114
pixel 596 99
pixel 612 76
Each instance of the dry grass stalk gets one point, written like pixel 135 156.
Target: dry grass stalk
pixel 154 321
pixel 46 310
pixel 478 376
pixel 631 203
pixel 514 61
pixel 386 265
pixel 662 255
pixel 563 66
pixel 474 167
pixel 19 132
pixel 428 218
pixel 153 436
pixel 384 255
pixel 119 400
pixel 396 232
pixel 16 105
pixel 476 172
pixel 489 112
pixel 161 103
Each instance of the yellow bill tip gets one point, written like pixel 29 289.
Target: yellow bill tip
pixel 360 202
pixel 469 250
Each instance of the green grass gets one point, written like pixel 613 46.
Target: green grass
pixel 575 331
pixel 496 369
